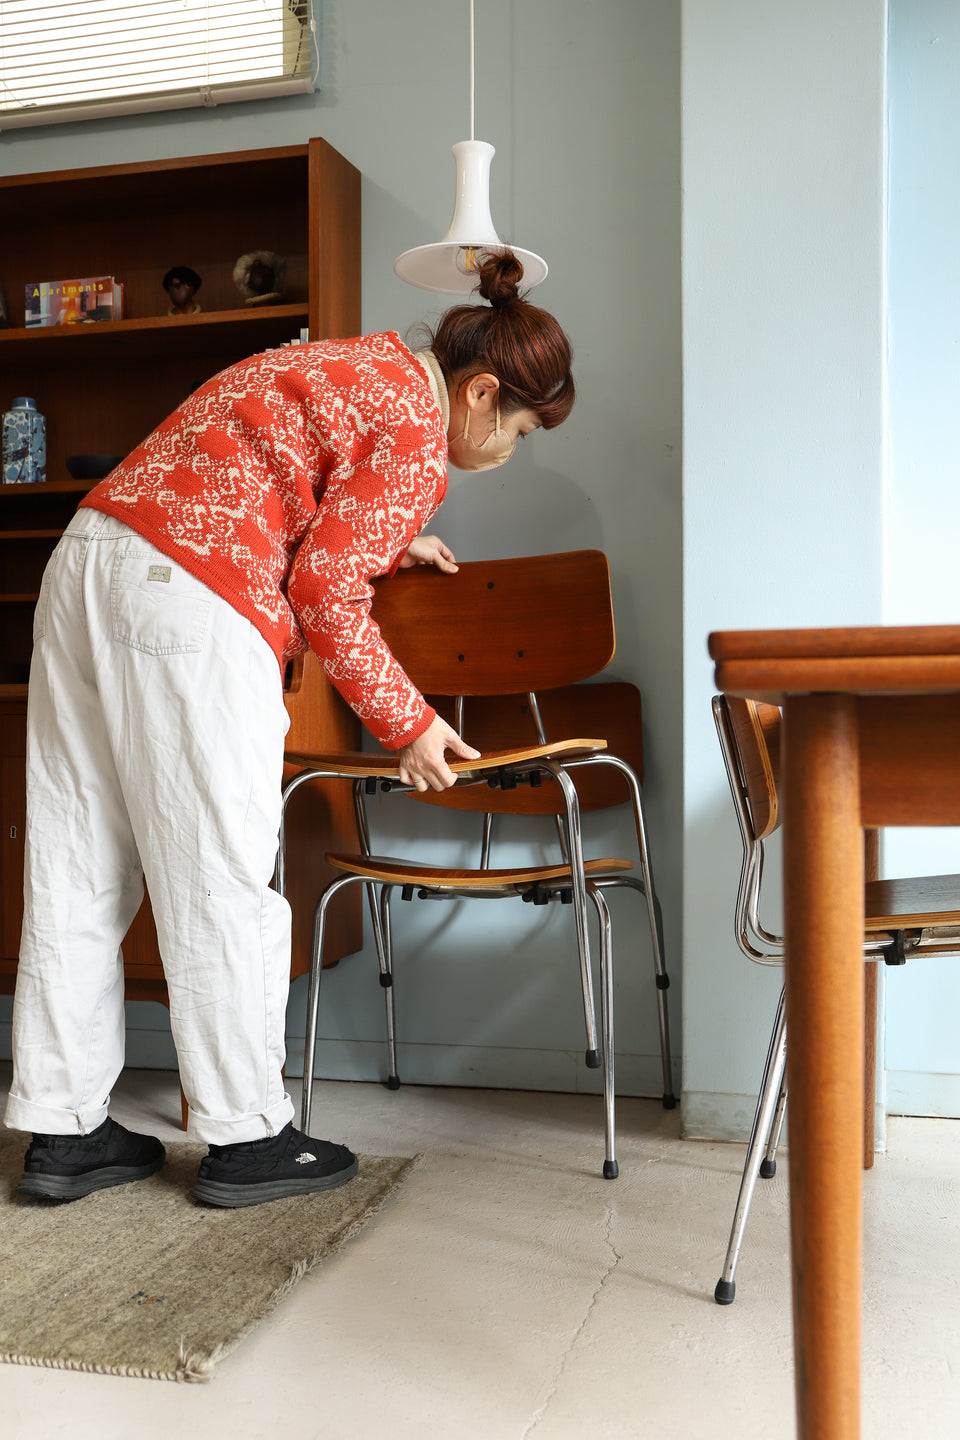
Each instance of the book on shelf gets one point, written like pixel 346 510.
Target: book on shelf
pixel 73 302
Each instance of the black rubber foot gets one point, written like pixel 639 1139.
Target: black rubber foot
pixel 393 1082
pixel 725 1291
pixel 669 1102
pixel 768 1168
pixel 593 1059
pixel 610 1169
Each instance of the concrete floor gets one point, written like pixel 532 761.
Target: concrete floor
pixel 506 1292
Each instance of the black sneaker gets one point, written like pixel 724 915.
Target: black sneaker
pixel 290 1163
pixel 66 1167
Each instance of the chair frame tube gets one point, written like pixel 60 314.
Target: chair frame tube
pixel 593 890
pixel 765 1129
pixel 570 832
pixel 654 913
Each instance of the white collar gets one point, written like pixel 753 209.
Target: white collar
pixel 438 386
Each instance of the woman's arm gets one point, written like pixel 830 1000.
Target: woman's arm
pixel 361 526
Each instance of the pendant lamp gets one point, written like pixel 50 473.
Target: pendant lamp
pixel 450 265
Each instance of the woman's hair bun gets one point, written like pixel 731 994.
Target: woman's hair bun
pixel 519 343
pixel 500 275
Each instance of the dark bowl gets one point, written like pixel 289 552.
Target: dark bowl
pixel 92 467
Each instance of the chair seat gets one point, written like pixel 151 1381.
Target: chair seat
pixel 913 904
pixel 386 766
pixel 407 872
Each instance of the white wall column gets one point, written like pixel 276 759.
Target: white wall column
pixel 923 499
pixel 783 343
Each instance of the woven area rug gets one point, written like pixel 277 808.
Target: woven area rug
pixel 142 1280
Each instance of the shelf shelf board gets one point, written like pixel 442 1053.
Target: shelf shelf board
pixel 6 536
pixel 9 598
pixel 14 692
pixel 152 335
pixel 46 487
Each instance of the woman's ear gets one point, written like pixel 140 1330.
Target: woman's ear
pixel 481 392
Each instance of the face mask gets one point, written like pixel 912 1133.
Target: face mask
pixel 466 454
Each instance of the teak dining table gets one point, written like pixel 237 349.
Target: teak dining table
pixel 871 738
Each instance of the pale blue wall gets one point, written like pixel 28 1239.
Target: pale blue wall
pixel 923 502
pixel 582 103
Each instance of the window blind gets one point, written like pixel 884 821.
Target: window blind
pixel 81 59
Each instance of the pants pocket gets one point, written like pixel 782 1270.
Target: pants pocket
pixel 157 607
pixel 43 599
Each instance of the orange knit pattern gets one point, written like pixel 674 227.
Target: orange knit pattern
pixel 287 483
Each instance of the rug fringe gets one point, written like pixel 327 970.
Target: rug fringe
pixel 197 1369
pixel 43 1362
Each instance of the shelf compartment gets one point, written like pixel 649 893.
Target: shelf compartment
pixel 151 189
pixel 16 637
pixel 135 221
pixel 47 508
pixel 22 564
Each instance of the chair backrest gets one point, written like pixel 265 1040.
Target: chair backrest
pixel 749 733
pixel 756 731
pixel 608 711
pixel 500 627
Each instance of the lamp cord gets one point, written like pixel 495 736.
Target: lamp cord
pixel 471 69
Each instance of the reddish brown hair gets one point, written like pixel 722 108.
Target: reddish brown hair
pixel 516 341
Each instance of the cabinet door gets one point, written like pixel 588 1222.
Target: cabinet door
pixel 13 815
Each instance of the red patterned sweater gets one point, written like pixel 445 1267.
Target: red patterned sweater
pixel 286 483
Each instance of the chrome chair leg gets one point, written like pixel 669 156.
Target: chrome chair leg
pixel 768 1166
pixel 655 918
pixel 386 980
pixel 363 834
pixel 485 842
pixel 617 882
pixel 578 887
pixel 610 1167
pixel 313 993
pixel 654 915
pixel 770 1092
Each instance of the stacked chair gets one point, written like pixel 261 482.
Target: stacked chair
pixel 502 648
pixel 902 918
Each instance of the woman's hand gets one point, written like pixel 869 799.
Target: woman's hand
pixel 429 550
pixel 422 762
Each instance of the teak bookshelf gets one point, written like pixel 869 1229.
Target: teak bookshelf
pixel 104 386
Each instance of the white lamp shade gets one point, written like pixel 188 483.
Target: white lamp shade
pixel 450 265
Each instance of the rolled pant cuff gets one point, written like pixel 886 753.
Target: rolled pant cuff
pixel 235 1130
pixel 23 1114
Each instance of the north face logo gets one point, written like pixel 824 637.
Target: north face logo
pixel 305 1158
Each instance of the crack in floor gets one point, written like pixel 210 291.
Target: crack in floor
pixel 540 1414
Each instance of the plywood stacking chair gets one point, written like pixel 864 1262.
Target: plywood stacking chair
pixel 902 918
pixel 501 646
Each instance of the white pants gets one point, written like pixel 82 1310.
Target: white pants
pixel 155 727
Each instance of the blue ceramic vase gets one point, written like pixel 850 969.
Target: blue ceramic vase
pixel 24 443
